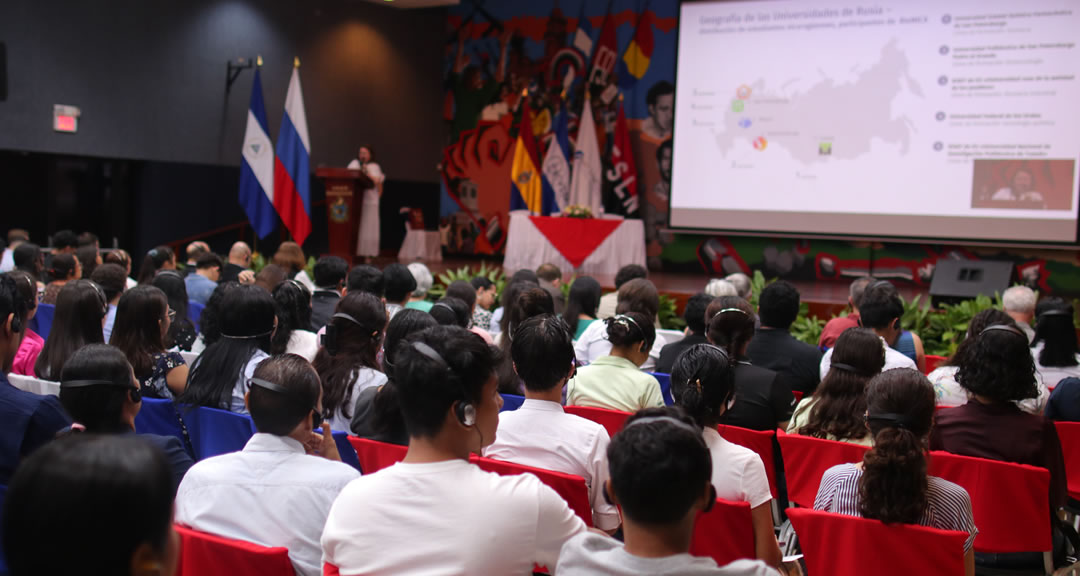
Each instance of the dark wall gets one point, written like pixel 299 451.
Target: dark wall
pixel 150 78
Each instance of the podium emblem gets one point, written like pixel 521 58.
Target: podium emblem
pixel 339 211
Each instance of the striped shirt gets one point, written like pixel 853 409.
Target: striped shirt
pixel 948 505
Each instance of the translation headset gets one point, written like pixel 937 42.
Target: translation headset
pixel 133 391
pixel 1054 313
pixel 625 320
pixel 330 338
pixel 1003 328
pixel 463 409
pixel 316 416
pixel 101 296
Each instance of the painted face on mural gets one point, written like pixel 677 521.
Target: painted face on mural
pixel 663 160
pixel 663 112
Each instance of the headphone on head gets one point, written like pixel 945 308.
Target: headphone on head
pixel 625 320
pixel 1003 328
pixel 464 410
pixel 133 391
pixel 316 416
pixel 330 338
pixel 101 296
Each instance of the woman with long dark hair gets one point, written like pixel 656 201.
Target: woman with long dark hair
pixel 891 484
pixel 210 319
pixel 835 411
pixel 347 361
pixel 32 343
pixel 616 381
pixel 293 303
pixel 143 318
pixel 219 376
pixel 1054 346
pixel 581 305
pixel 65 268
pixel 79 320
pixel 181 333
pixel 159 258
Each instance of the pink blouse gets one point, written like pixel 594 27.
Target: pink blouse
pixel 28 352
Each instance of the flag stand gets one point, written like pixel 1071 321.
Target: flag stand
pixel 233 71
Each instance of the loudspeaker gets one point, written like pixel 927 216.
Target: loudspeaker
pixel 3 72
pixel 958 280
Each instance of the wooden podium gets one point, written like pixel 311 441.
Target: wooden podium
pixel 344 188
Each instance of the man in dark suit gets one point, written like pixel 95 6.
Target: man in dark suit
pixel 774 347
pixel 238 268
pixel 695 332
pixel 330 273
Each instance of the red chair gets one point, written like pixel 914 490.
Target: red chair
pixel 758 441
pixel 572 488
pixel 798 395
pixel 805 461
pixel 725 533
pixel 1069 435
pixel 611 420
pixel 203 554
pixel 1009 501
pixel 932 362
pixel 374 455
pixel 872 547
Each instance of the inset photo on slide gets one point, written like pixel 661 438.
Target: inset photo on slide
pixel 1023 184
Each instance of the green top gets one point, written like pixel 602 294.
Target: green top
pixel 421 305
pixel 581 326
pixel 614 383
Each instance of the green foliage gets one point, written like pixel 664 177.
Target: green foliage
pixel 757 284
pixel 669 316
pixel 310 268
pixel 467 273
pixel 565 288
pixel 942 330
pixel 807 329
pixel 258 262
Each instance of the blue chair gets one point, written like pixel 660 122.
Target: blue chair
pixel 194 312
pixel 665 386
pixel 42 321
pixel 345 448
pixel 160 417
pixel 511 402
pixel 214 432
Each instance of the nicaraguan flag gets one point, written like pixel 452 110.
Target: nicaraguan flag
pixel 526 191
pixel 257 166
pixel 556 175
pixel 292 177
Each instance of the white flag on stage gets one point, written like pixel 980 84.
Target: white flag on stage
pixel 585 181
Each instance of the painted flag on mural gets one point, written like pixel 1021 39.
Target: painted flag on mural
pixel 556 175
pixel 585 181
pixel 526 190
pixel 621 176
pixel 583 36
pixel 604 54
pixel 257 166
pixel 638 54
pixel 292 177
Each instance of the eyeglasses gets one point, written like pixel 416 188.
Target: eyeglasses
pixel 171 314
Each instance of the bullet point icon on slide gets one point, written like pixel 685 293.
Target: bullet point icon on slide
pixel 940 116
pixel 944 50
pixel 943 80
pixel 946 19
pixel 938 146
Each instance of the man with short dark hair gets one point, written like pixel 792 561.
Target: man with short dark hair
pixel 694 314
pixel 540 433
pixel 835 327
pixel 194 250
pixel 278 490
pixel 880 309
pixel 202 283
pixel 551 281
pixel 113 282
pixel 65 242
pixel 399 283
pixel 774 347
pixel 608 302
pixel 89 239
pixel 660 100
pixel 329 276
pixel 367 278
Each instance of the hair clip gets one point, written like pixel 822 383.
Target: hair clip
pixel 739 310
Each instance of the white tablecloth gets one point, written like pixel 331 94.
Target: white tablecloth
pixel 527 247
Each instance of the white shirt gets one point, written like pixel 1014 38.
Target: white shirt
pixel 303 278
pixel 7 261
pixel 594 344
pixel 240 389
pixel 591 554
pixel 446 518
pixel 303 343
pixel 110 321
pixel 738 473
pixel 373 170
pixel 542 435
pixel 270 493
pixel 949 393
pixel 893 359
pixel 365 378
pixel 1054 374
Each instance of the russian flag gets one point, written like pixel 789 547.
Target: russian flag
pixel 292 177
pixel 257 166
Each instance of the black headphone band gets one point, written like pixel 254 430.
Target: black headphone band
pixel 1003 328
pixel 279 389
pixel 136 394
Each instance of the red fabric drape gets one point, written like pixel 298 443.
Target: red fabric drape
pixel 575 238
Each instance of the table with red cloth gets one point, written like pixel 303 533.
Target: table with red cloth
pixel 596 246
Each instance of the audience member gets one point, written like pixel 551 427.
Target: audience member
pixel 400 284
pixel 290 257
pixel 210 319
pixel 540 433
pixel 486 292
pixel 551 281
pixel 115 490
pixel 377 413
pixel 98 391
pixel 531 301
pixel 65 242
pixel 742 283
pixel 121 258
pixel 694 314
pixel 774 347
pixel 15 237
pixel 202 278
pixel 660 471
pixel 160 258
pixel 616 381
pixel 270 276
pixel 29 258
pixel 142 323
pixel 763 399
pixel 880 309
pixel 330 273
pixel 997 371
pixel 581 305
pixel 32 343
pixel 447 391
pixel 717 288
pixel 279 489
pixel 418 299
pixel 465 292
pixel 509 294
pixel 450 311
pixel 292 303
pixel 89 258
pixel 347 363
pixel 837 408
pixel 609 302
pixel 637 295
pixel 219 376
pixel 88 239
pixel 1019 304
pixel 1054 346
pixel 703 382
pixel 1064 403
pixel 31 420
pixel 835 327
pixel 113 281
pixel 182 333
pixel 194 251
pixel 367 278
pixel 78 321
pixel 65 268
pixel 238 266
pixel 891 484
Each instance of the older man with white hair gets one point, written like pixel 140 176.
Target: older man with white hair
pixel 1019 304
pixel 424 280
pixel 742 284
pixel 718 287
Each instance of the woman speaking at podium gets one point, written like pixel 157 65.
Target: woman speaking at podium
pixel 368 242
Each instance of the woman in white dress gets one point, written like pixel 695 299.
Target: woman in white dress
pixel 368 242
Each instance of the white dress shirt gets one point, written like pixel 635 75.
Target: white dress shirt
pixel 240 389
pixel 893 359
pixel 446 518
pixel 594 344
pixel 542 435
pixel 7 261
pixel 363 378
pixel 270 493
pixel 949 393
pixel 303 343
pixel 738 473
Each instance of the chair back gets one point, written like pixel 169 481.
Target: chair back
pixel 665 386
pixel 214 432
pixel 345 449
pixel 43 319
pixel 725 533
pixel 3 558
pixel 373 455
pixel 798 395
pixel 933 362
pixel 158 416
pixel 203 554
pixel 806 459
pixel 1010 502
pixel 611 420
pixel 34 385
pixel 763 443
pixel 194 312
pixel 511 402
pixel 572 488
pixel 872 547
pixel 1069 435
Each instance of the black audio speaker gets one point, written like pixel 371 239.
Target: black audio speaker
pixel 957 280
pixel 3 72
